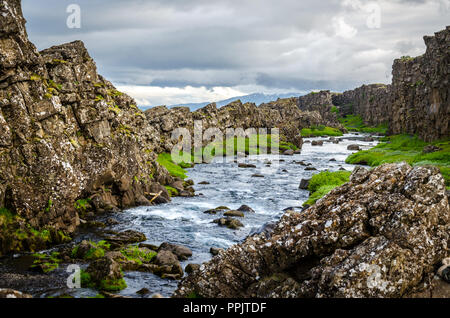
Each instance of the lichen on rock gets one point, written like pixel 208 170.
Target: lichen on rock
pixel 380 235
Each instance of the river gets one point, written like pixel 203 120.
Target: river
pixel 183 222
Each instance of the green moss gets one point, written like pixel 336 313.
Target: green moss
pixel 356 123
pixel 172 191
pixel 193 294
pixel 46 263
pixel 406 148
pixel 320 131
pixel 165 160
pixel 95 252
pixel 110 285
pixel 57 61
pixel 334 109
pixel 325 181
pixel 35 77
pixel 83 205
pixel 49 205
pixel 138 255
pixel 113 285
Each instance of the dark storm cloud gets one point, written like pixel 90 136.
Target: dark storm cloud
pixel 241 44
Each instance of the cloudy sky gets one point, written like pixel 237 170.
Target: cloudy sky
pixel 184 51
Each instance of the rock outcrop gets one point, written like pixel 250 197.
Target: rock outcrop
pixel 283 114
pixel 380 235
pixel 417 101
pixel 65 134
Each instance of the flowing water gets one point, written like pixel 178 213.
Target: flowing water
pixel 183 222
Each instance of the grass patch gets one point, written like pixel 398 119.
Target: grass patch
pixel 407 148
pixel 252 145
pixel 325 181
pixel 356 123
pixel 165 160
pixel 320 131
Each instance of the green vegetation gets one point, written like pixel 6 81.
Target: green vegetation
pixel 321 131
pixel 252 145
pixel 172 191
pixel 356 123
pixel 165 160
pixel 83 205
pixel 323 182
pixel 138 255
pixel 46 263
pixel 334 109
pixel 406 148
pixel 6 216
pixel 95 252
pixel 113 285
pixel 110 285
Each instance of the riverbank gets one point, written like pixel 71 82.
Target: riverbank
pixel 183 222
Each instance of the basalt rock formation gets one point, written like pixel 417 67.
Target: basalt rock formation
pixel 380 235
pixel 65 134
pixel 417 101
pixel 283 114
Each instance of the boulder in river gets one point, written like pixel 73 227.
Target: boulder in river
pixel 304 184
pixel 105 274
pixel 246 208
pixel 126 237
pixel 317 143
pixel 229 222
pixel 288 152
pixel 182 252
pixel 353 147
pixel 246 165
pixel 204 182
pixel 257 175
pixel 310 169
pixel 363 239
pixel 168 264
pixel 234 213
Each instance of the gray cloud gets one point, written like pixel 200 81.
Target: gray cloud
pixel 264 44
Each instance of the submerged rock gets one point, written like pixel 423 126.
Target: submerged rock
pixel 234 213
pixel 363 239
pixel 353 147
pixel 246 208
pixel 229 222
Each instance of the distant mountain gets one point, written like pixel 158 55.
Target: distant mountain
pixel 257 98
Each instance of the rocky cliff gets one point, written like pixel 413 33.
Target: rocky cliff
pixel 417 101
pixel 383 234
pixel 65 134
pixel 283 114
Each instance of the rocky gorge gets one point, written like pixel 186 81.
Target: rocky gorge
pixel 75 152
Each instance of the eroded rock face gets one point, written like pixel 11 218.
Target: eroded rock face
pixel 417 101
pixel 283 114
pixel 66 134
pixel 379 235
